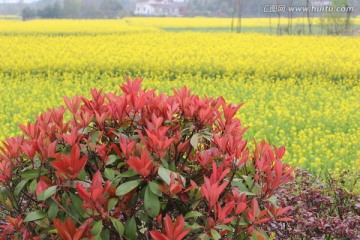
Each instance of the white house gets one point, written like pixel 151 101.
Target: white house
pixel 159 7
pixel 321 2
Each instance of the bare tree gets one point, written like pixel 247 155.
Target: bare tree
pixel 238 13
pixel 290 18
pixel 347 19
pixel 308 5
pixel 279 16
pixel 233 15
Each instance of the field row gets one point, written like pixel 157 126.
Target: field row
pixel 138 24
pixel 249 56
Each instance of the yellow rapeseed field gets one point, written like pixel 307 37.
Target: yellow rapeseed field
pixel 64 26
pixel 300 91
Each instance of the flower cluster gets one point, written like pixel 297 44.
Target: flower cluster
pixel 139 165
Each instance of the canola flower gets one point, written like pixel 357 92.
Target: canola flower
pixel 299 91
pixel 141 24
pixel 66 26
pixel 204 22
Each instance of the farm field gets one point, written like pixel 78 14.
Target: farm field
pixel 139 24
pixel 299 91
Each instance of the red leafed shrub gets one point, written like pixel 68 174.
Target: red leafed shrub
pixel 320 210
pixel 139 166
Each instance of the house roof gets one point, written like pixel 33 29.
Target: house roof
pixel 166 5
pixel 149 1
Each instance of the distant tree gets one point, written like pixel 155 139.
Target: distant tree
pixel 72 8
pixel 210 7
pixel 46 12
pixel 51 11
pixel 237 12
pixel 290 18
pixel 90 9
pixel 110 8
pixel 28 13
pixel 309 18
pixel 337 23
pixel 57 10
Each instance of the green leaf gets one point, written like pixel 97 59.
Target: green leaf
pixel 242 187
pixel 76 202
pixel 164 174
pixel 206 134
pixel 109 174
pixel 256 189
pixel 249 181
pixel 32 186
pixel 94 137
pixel 195 226
pixel 194 140
pixel 127 187
pixel 151 203
pixel 33 216
pixel 111 160
pixel 105 234
pixel 272 200
pixel 195 204
pixel 215 234
pixel 244 222
pixel 33 173
pixel 97 228
pixel 253 236
pixel 224 227
pixel 64 198
pixel 84 131
pixel 44 223
pixel 82 175
pixel 4 194
pixel 99 237
pixel 20 186
pixel 130 229
pixel 142 216
pixel 192 214
pixel 53 210
pixel 112 203
pixel 117 225
pixel 129 173
pixel 47 193
pixel 154 188
pixel 203 236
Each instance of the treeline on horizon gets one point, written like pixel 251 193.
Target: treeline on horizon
pixel 77 9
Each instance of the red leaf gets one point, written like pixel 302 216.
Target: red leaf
pixel 41 186
pixel 66 230
pixel 83 193
pixel 254 207
pixel 82 231
pixel 169 226
pixel 282 210
pixel 262 220
pixel 285 219
pixel 158 236
pixel 70 166
pixel 280 152
pixel 240 208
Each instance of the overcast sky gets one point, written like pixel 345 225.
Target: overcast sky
pixel 16 1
